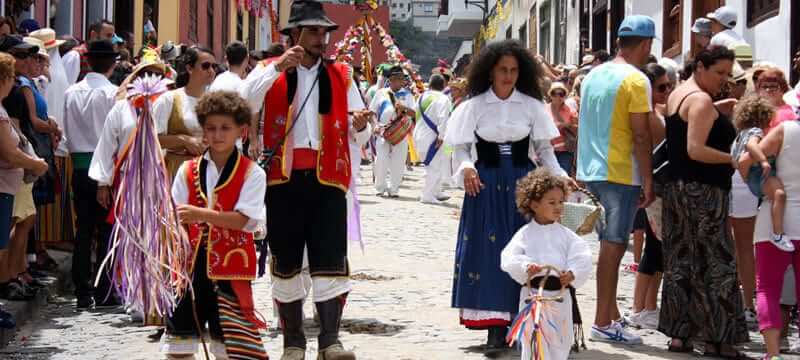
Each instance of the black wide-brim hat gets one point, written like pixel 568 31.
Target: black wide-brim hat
pixel 101 48
pixel 308 13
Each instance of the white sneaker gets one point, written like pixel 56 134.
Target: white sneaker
pixel 782 242
pixel 750 316
pixel 645 319
pixel 614 333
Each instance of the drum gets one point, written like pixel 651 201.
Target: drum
pixel 397 130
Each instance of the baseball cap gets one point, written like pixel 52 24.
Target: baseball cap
pixel 116 39
pixel 702 26
pixel 724 15
pixel 14 44
pixel 637 25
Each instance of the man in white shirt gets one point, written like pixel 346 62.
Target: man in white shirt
pixel 432 114
pixel 237 58
pixel 86 105
pixel 391 104
pixel 723 20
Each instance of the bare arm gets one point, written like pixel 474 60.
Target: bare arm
pixel 755 150
pixel 701 115
pixel 770 145
pixel 223 219
pixel 40 125
pixel 658 132
pixel 642 150
pixel 16 158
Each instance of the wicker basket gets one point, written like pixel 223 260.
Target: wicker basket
pixel 582 217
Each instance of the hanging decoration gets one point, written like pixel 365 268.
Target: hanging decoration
pixel 149 249
pixel 256 7
pixel 489 30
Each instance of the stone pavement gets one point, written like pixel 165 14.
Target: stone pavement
pixel 399 307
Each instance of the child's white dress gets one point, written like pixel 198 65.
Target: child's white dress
pixel 553 245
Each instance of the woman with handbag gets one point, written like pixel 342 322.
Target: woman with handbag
pixel 504 117
pixel 179 131
pixel 15 161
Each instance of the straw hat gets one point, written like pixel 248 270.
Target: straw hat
pixel 36 42
pixel 48 38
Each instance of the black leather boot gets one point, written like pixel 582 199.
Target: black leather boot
pixel 496 341
pixel 294 339
pixel 330 317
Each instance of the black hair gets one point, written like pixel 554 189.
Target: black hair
pixel 98 25
pixel 437 82
pixel 188 57
pixel 652 59
pixel 101 64
pixel 601 55
pixel 711 55
pixel 236 53
pixel 687 71
pixel 627 42
pixel 530 72
pixel 653 71
pixel 274 50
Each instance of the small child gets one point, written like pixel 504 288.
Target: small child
pixel 543 241
pixel 220 197
pixel 753 115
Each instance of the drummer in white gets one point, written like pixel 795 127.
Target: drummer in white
pixel 394 103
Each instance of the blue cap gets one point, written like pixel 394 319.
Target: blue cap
pixel 116 40
pixel 637 25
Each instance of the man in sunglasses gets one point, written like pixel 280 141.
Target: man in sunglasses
pixel 312 111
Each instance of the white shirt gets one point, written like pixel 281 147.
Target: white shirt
pixel 162 109
pixel 502 121
pixel 403 97
pixel 551 244
pixel 118 128
pixel 86 105
pixel 251 198
pixel 305 134
pixel 438 111
pixel 72 66
pixel 227 81
pixel 788 171
pixel 727 38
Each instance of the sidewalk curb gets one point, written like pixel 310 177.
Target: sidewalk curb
pixel 23 311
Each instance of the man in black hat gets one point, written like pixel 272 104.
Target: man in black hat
pixel 86 105
pixel 312 110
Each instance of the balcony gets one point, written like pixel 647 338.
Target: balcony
pixel 460 21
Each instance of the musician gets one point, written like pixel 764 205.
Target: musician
pixel 309 174
pixel 434 110
pixel 394 107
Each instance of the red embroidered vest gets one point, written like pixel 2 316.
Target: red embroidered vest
pixel 231 253
pixel 333 160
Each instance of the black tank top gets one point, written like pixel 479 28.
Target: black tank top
pixel 682 167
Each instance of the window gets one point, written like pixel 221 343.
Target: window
pixel 523 35
pixel 211 25
pixel 532 29
pixel 226 23
pixel 760 10
pixel 239 25
pixel 428 8
pixel 193 20
pixel 561 32
pixel 251 31
pixel 672 31
pixel 544 30
pixel 394 5
pixel 409 7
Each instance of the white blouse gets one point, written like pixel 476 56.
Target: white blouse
pixel 120 124
pixel 162 109
pixel 551 244
pixel 501 121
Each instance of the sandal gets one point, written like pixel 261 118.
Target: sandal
pixel 684 347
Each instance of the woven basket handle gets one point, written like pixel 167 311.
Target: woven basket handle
pixel 591 196
pixel 550 269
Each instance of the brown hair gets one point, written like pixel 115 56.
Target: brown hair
pixel 6 66
pixel 771 74
pixel 223 103
pixel 7 20
pixel 533 186
pixel 753 111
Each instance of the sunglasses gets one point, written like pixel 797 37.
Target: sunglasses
pixel 558 94
pixel 664 87
pixel 21 55
pixel 207 65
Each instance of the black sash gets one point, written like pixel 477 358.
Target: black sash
pixel 489 152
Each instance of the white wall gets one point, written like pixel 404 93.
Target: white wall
pixel 573 33
pixel 653 9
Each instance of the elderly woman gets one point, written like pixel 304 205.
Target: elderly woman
pixel 700 299
pixel 503 118
pixel 566 121
pixel 15 158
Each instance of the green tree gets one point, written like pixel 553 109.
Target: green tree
pixel 411 40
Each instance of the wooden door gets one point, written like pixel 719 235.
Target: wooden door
pixel 699 9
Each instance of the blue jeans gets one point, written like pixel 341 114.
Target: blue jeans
pixel 620 203
pixel 6 210
pixel 565 159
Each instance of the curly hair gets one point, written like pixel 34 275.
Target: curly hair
pixel 6 66
pixel 753 111
pixel 530 72
pixel 533 186
pixel 223 103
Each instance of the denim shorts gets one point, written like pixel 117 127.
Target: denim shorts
pixel 6 209
pixel 620 203
pixel 755 178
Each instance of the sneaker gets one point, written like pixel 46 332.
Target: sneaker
pixel 614 333
pixel 631 268
pixel 430 201
pixel 623 321
pixel 15 291
pixel 782 242
pixel 442 197
pixel 645 319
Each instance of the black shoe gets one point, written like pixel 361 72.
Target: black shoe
pixel 85 302
pixel 496 342
pixel 156 335
pixel 107 303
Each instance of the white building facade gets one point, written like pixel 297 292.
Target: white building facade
pixel 400 10
pixel 425 14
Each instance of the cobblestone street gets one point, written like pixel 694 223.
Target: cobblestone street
pixel 399 307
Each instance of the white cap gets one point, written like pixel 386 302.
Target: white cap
pixel 725 15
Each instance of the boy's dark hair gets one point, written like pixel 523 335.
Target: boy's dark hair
pixel 236 53
pixel 223 103
pixel 437 82
pixel 101 64
pixel 97 26
pixel 627 42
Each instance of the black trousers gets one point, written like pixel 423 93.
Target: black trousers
pixel 91 221
pixel 306 214
pixel 182 321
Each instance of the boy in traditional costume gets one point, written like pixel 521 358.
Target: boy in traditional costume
pixel 310 107
pixel 219 197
